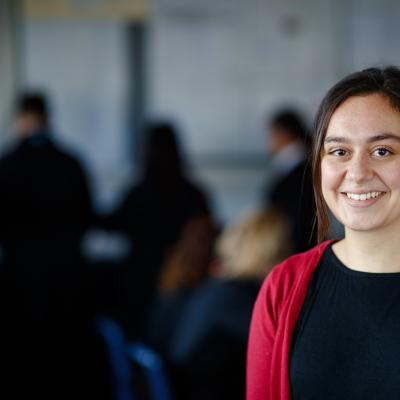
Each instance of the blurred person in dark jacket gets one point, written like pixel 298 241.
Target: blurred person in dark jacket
pixel 152 215
pixel 45 208
pixel 208 348
pixel 292 189
pixel 186 267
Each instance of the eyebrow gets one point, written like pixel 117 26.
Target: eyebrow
pixel 372 139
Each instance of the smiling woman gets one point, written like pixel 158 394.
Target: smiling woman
pixel 325 323
pixel 360 169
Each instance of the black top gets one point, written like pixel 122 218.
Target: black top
pixel 346 344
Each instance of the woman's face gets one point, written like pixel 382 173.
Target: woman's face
pixel 360 165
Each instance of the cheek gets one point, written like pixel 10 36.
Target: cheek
pixel 388 175
pixel 391 176
pixel 331 176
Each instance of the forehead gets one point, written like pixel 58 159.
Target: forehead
pixel 362 116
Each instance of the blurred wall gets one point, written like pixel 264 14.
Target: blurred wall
pixel 8 62
pixel 219 68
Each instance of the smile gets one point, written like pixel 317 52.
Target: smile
pixel 363 196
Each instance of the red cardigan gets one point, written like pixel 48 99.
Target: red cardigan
pixel 274 319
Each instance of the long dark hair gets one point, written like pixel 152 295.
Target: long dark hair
pixel 372 80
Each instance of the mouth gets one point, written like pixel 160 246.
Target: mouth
pixel 362 199
pixel 363 196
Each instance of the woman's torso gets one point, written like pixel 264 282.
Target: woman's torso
pixel 346 342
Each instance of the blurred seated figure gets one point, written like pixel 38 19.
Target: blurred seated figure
pixel 185 268
pixel 292 189
pixel 45 208
pixel 208 347
pixel 152 215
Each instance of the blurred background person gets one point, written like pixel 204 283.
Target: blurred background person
pixel 292 190
pixel 152 215
pixel 45 208
pixel 208 347
pixel 185 268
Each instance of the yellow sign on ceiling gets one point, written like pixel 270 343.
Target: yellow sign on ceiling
pixel 110 9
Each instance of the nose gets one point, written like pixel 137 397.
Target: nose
pixel 359 169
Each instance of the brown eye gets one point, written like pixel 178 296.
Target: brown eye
pixel 338 152
pixel 382 152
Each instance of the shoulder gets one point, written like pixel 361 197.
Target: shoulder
pixel 289 271
pixel 301 174
pixel 140 191
pixel 193 188
pixel 64 153
pixel 10 151
pixel 195 196
pixel 10 158
pixel 226 291
pixel 292 272
pixel 292 267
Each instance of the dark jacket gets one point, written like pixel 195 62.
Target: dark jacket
pixel 294 195
pixel 45 204
pixel 44 210
pixel 208 348
pixel 152 216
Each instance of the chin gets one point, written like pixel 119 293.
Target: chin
pixel 361 226
pixel 357 222
pixel 358 228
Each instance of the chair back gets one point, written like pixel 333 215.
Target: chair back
pixel 154 370
pixel 116 349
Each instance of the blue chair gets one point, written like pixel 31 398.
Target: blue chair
pixel 116 348
pixel 123 354
pixel 153 367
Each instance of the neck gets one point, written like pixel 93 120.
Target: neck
pixel 38 131
pixel 376 252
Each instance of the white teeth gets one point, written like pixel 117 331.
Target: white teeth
pixel 363 196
